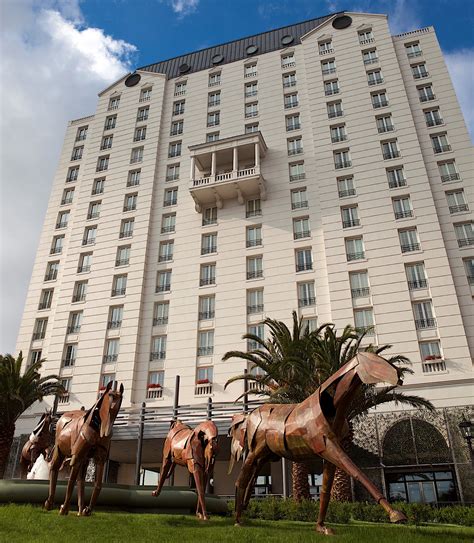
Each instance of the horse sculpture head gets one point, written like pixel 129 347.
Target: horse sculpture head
pixel 43 428
pixel 107 408
pixel 207 434
pixel 372 368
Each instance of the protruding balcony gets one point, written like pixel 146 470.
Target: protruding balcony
pixel 227 169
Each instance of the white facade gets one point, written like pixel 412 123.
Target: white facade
pixel 321 166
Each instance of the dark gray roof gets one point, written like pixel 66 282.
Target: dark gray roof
pixel 235 50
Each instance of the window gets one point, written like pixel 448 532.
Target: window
pixel 114 103
pixel 464 234
pixel 207 306
pixel 213 119
pixel 251 128
pixel 126 228
pixel 75 322
pixel 342 160
pixel 309 325
pixel 72 174
pixel 70 355
pixel 63 219
pixel 385 124
pixel 338 133
pixel 115 317
pixel 413 50
pixel 456 201
pixel 130 202
pixel 419 71
pixel 253 208
pixel 409 240
pixel 379 99
pixel 299 198
pixel 440 143
pixel 430 350
pixel 171 197
pixel 214 99
pixel 46 298
pixel 142 114
pixel 331 87
pixel 250 70
pixel 359 282
pixel 293 122
pixel 133 179
pixel 297 171
pixel 168 223
pixel 396 177
pixel 140 133
pixel 448 171
pixel 98 186
pixel 251 110
pixel 110 122
pixel 105 379
pixel 85 263
pixel 68 196
pixel 35 357
pixel 416 276
pixel 145 95
pixel 345 187
pixel 251 89
pixel 254 267
pixel 77 153
pixel 178 107
pixel 366 36
pixel 80 291
pixel 335 110
pixel 172 172
pixel 254 301
pixel 155 385
pixel 106 142
pixel 123 255
pixel 254 236
pixel 204 376
pixel 81 134
pixel 304 260
pixel 328 67
pixel 180 88
pixel 426 93
pixel 174 149
pixel 390 149
pixel 354 249
pixel 166 251
pixel 214 79
pixel 207 274
pixel 325 47
pixel 424 317
pixel 469 267
pixel 94 210
pixel 209 243
pixel 306 295
pixel 350 216
pixel 111 351
pixel 161 313
pixel 257 330
pixel 119 285
pixel 163 282
pixel 364 321
pixel 213 136
pixel 40 329
pixel 402 207
pixel 158 348
pixel 433 117
pixel 370 56
pixel 102 163
pixel 289 80
pixel 51 271
pixel 291 100
pixel 295 146
pixel 288 60
pixel 57 245
pixel 137 155
pixel 301 228
pixel 374 77
pixel 205 343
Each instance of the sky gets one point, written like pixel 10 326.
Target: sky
pixel 56 55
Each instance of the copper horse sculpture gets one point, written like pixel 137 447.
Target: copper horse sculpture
pixel 39 442
pixel 80 436
pixel 195 449
pixel 298 432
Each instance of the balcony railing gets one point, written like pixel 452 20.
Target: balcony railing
pixel 465 242
pixel 288 84
pixel 88 241
pixel 355 256
pixel 290 105
pixel 126 234
pixel 294 126
pixel 297 176
pixel 421 324
pixel 63 398
pixel 326 51
pixel 458 208
pixel 403 214
pixel 165 258
pixel 113 325
pixel 154 393
pixel 56 250
pixel 74 329
pixel 38 335
pixel 301 234
pixel 380 103
pixel 350 223
pixel 387 155
pixel 327 71
pixel 368 61
pixel 207 281
pixel 172 177
pixel 441 148
pixel 339 164
pixel 251 309
pixel 79 298
pixel 109 358
pixel 397 183
pixel 254 242
pixel 119 291
pixel 346 193
pixel 93 215
pixel 450 177
pixel 170 202
pixel 375 81
pixel 256 274
pixel 51 276
pixel 203 390
pixel 44 305
pixel 420 75
pixel 427 97
pixel 206 315
pixel 414 54
pixel 304 267
pixel 409 247
pixel 160 321
pixel 336 113
pixel 163 288
pixel 205 351
pixel 157 355
pixel 434 122
pixel 331 92
pixel 338 138
pixel 306 302
pixel 97 190
pixel 433 366
pixel 66 201
pixel 386 128
pixel 209 250
pixel 416 284
pixel 295 151
pixel 299 205
pixel 68 362
pixel 366 41
pixel 470 279
pixel 122 261
pixel 360 292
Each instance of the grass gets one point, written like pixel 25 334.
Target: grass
pixel 28 524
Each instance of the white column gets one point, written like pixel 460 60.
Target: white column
pixel 235 162
pixel 193 168
pixel 257 155
pixel 213 164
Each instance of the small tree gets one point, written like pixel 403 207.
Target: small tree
pixel 18 392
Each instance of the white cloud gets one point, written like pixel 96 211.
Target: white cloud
pixel 52 68
pixel 184 7
pixel 461 68
pixel 402 16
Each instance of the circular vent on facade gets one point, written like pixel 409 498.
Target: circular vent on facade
pixel 286 40
pixel 183 68
pixel 217 59
pixel 251 49
pixel 132 80
pixel 342 22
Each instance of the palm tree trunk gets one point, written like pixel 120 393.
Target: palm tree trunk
pixel 6 439
pixel 299 474
pixel 342 488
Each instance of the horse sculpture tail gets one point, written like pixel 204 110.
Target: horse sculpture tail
pixel 237 431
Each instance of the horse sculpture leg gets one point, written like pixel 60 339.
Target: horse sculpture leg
pixel 99 475
pixel 55 466
pixel 64 509
pixel 166 469
pixel 328 478
pixel 81 477
pixel 24 465
pixel 335 454
pixel 200 480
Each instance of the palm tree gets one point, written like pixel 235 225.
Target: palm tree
pixel 17 393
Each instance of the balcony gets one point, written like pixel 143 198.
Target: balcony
pixel 350 223
pixel 109 358
pixel 346 193
pixel 450 177
pixel 409 247
pixel 307 302
pixel 158 355
pixel 441 148
pixel 355 256
pixel 405 214
pixel 422 324
pixel 465 242
pixel 205 351
pixel 360 292
pixel 206 315
pixel 74 329
pixel 256 274
pixel 203 389
pixel 227 169
pixel 114 325
pixel 64 398
pixel 160 321
pixel 417 284
pixel 154 392
pixel 251 309
pixel 434 366
pixel 119 291
pixel 458 208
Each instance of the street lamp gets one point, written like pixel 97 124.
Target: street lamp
pixel 466 428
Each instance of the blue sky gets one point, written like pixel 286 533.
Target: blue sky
pixel 58 54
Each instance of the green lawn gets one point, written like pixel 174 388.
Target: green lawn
pixel 25 524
